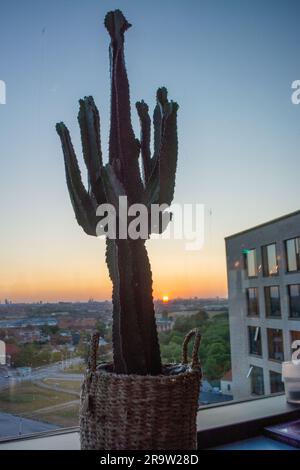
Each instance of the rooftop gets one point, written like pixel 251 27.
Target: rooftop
pixel 273 221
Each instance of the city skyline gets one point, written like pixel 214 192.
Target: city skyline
pixel 238 132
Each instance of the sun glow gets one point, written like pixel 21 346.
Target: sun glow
pixel 165 299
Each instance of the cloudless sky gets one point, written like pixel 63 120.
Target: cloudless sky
pixel 228 63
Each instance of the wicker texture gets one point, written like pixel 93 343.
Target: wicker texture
pixel 134 412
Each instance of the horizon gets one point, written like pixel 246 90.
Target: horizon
pixel 239 133
pixel 11 301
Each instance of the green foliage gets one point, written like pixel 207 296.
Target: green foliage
pixel 215 343
pixel 32 355
pixel 50 330
pixel 101 328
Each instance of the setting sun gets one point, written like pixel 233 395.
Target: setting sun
pixel 165 298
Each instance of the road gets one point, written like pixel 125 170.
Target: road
pixel 55 370
pixel 11 426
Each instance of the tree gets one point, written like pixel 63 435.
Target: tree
pixel 101 328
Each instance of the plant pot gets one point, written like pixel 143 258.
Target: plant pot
pixel 134 412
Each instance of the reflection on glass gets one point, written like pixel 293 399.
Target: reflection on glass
pixel 252 302
pixel 257 381
pixel 272 301
pixel 276 384
pixel 270 266
pixel 275 344
pixel 250 262
pixel 254 336
pixel 292 254
pixel 294 300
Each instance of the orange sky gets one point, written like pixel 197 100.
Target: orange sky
pixel 79 272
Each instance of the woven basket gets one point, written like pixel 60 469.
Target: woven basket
pixel 134 412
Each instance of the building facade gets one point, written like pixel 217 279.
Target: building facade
pixel 263 271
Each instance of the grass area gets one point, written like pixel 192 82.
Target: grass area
pixel 73 385
pixel 26 397
pixel 64 417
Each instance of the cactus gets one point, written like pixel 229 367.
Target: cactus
pixel 135 341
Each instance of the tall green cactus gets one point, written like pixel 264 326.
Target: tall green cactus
pixel 135 342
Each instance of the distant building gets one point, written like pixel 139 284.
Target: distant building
pixel 164 324
pixel 26 322
pixel 263 270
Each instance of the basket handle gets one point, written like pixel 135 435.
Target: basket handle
pixel 195 354
pixel 92 361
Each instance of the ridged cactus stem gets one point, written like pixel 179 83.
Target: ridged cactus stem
pixel 135 340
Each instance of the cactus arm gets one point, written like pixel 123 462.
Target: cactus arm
pixel 160 188
pixel 168 156
pixel 89 122
pixel 82 203
pixel 158 122
pixel 145 121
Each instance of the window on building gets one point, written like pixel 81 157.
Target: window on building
pixel 269 258
pixel 276 384
pixel 256 375
pixel 252 302
pixel 292 248
pixel 250 262
pixel 272 301
pixel 254 336
pixel 294 300
pixel 275 344
pixel 294 335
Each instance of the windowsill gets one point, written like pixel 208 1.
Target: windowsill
pixel 242 420
pixel 277 361
pixel 216 424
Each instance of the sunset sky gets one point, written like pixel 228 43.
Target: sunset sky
pixel 229 64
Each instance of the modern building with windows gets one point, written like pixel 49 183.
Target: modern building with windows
pixel 263 270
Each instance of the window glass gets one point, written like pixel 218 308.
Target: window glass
pixel 294 300
pixel 276 384
pixel 275 344
pixel 294 335
pixel 257 381
pixel 292 254
pixel 251 262
pixel 254 335
pixel 252 301
pixel 270 265
pixel 272 301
